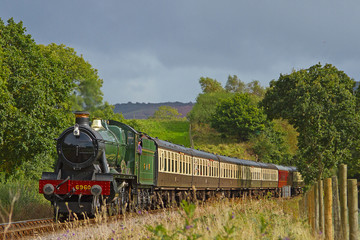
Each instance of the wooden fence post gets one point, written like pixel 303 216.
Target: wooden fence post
pixel 321 206
pixel 316 207
pixel 328 209
pixel 343 201
pixel 336 208
pixel 311 216
pixel 353 209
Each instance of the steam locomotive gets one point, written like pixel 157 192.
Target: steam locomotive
pixel 108 163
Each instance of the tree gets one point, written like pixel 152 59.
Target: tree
pixel 209 85
pixel 270 146
pixel 166 113
pixel 238 116
pixel 320 104
pixel 234 85
pixel 255 88
pixel 86 93
pixel 205 106
pixel 34 100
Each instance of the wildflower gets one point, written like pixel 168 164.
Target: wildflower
pixel 139 212
pixel 188 227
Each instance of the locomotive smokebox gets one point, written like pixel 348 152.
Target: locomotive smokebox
pixel 82 118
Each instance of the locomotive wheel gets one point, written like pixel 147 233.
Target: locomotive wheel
pixel 114 207
pixel 132 201
pixel 124 202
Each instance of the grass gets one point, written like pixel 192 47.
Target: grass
pixel 20 200
pixel 176 131
pixel 222 219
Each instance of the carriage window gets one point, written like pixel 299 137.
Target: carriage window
pixel 206 167
pixel 188 165
pixel 172 162
pixel 195 169
pixel 165 162
pixel 180 164
pixel 183 164
pixel 168 161
pixel 176 162
pixel 162 161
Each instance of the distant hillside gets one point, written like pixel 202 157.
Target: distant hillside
pixel 145 110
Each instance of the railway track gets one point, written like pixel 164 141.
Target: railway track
pixel 38 227
pixel 21 229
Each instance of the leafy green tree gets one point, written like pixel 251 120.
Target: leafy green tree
pixel 254 88
pixel 86 93
pixel 238 116
pixel 320 104
pixel 34 100
pixel 166 113
pixel 209 85
pixel 205 106
pixel 234 85
pixel 269 146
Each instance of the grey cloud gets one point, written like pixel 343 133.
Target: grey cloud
pixel 146 49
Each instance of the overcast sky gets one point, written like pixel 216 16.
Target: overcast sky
pixel 156 51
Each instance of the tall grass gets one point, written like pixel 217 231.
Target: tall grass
pixel 20 200
pixel 223 219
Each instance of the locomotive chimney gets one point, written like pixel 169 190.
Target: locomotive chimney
pixel 82 118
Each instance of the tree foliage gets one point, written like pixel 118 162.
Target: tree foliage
pixel 39 87
pixel 319 102
pixel 235 85
pixel 238 116
pixel 270 146
pixel 86 93
pixel 209 85
pixel 34 99
pixel 254 88
pixel 166 113
pixel 205 106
